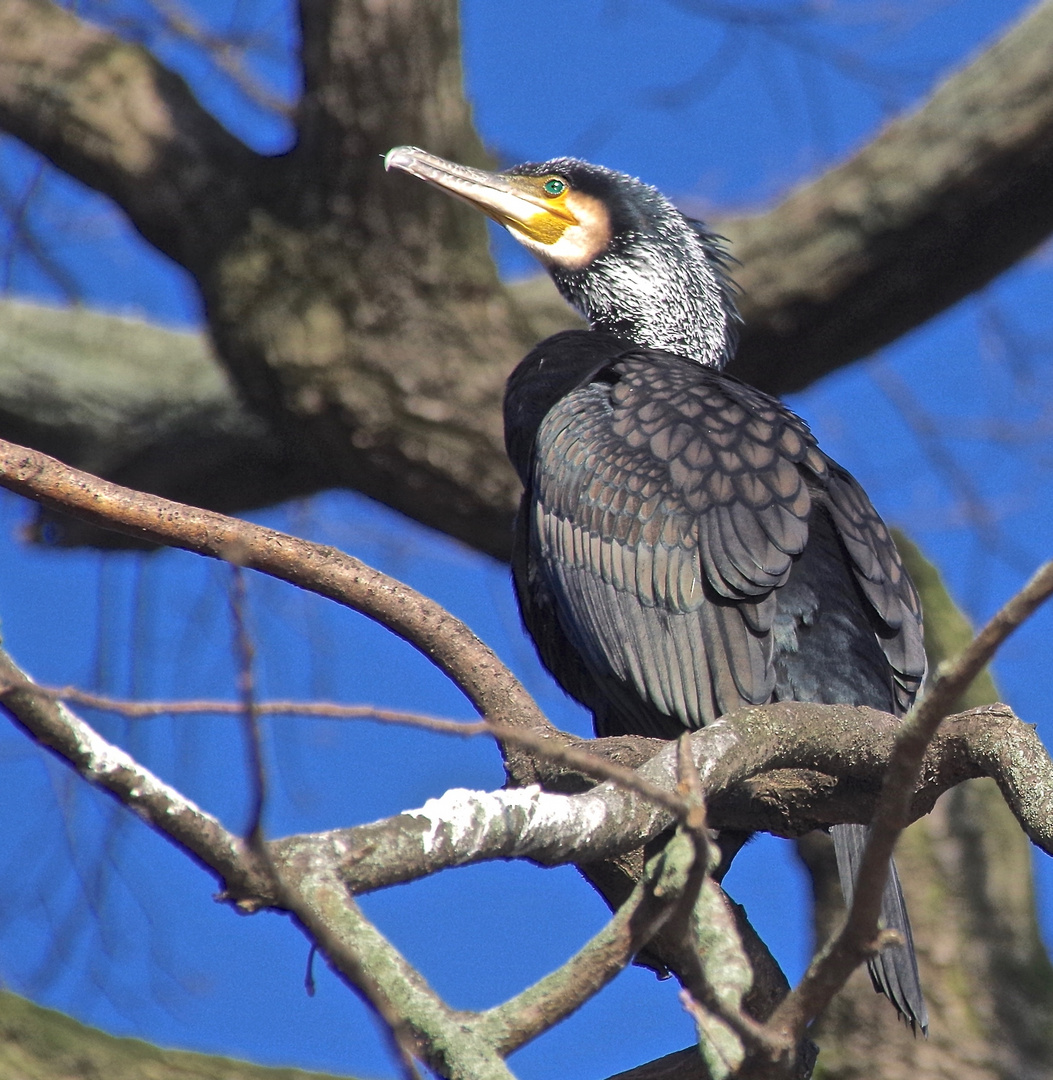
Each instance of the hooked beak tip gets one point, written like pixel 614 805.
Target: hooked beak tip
pixel 398 157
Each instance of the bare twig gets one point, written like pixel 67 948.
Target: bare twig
pixel 227 57
pixel 245 654
pixel 315 710
pixel 557 748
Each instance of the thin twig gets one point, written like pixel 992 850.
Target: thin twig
pixel 227 57
pixel 549 748
pixel 316 710
pixel 245 655
pixel 591 764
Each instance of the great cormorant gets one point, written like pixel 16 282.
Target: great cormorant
pixel 683 547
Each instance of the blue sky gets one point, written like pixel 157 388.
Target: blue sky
pixel 718 116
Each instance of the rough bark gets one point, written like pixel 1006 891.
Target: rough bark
pixel 360 317
pixel 934 207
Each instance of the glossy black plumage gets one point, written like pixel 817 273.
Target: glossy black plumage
pixel 666 508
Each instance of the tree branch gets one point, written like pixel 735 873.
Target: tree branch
pixel 670 883
pixel 856 940
pixel 373 967
pixel 447 642
pixel 829 770
pixel 939 204
pixel 110 115
pixel 404 405
pixel 109 768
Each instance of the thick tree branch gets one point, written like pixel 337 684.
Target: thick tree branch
pixel 110 115
pixel 366 323
pixel 147 407
pixel 940 203
pixel 779 768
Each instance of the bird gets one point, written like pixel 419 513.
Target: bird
pixel 683 547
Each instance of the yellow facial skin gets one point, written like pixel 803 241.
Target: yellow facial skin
pixel 559 225
pixel 551 221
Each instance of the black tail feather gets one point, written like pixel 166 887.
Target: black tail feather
pixel 894 971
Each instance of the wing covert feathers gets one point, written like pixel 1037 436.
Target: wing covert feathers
pixel 670 501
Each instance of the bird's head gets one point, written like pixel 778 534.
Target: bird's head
pixel 616 248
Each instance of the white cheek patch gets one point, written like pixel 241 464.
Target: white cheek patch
pixel 579 244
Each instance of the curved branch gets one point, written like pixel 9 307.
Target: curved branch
pixel 940 203
pixel 424 624
pixel 110 115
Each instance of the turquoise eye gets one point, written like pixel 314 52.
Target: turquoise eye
pixel 554 186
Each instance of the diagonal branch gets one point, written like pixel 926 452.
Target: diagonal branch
pixel 937 205
pixel 109 768
pixel 107 113
pixel 670 883
pixel 447 642
pixel 420 1022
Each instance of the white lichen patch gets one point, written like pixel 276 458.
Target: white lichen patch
pixel 521 821
pixel 721 738
pixel 100 760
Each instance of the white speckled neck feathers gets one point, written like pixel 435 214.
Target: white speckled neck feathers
pixel 662 279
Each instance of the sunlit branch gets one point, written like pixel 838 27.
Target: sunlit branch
pixel 778 768
pixel 670 885
pixel 109 768
pixel 444 640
